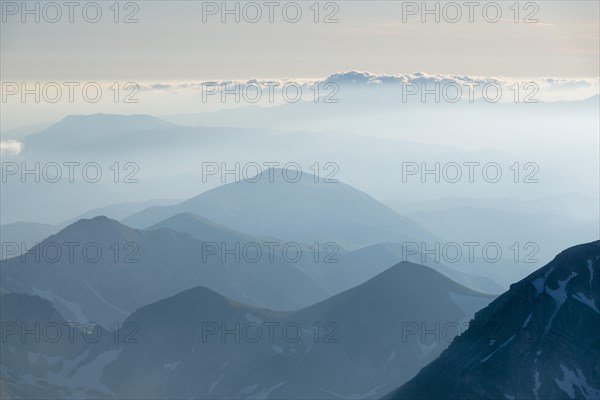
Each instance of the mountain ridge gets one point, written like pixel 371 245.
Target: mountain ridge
pixel 533 341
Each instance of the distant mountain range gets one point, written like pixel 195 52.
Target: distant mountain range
pixel 356 106
pixel 311 212
pixel 308 210
pixel 98 131
pixel 203 297
pixel 27 234
pixel 109 270
pixel 369 329
pixel 539 340
pixel 170 157
pixel 351 271
pixel 87 269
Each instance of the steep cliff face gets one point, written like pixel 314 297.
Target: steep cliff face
pixel 539 340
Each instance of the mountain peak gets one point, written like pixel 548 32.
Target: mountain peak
pixel 308 209
pixel 76 127
pixel 407 275
pixel 125 122
pixel 100 220
pixel 100 227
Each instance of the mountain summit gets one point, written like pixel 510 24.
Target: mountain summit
pixel 307 210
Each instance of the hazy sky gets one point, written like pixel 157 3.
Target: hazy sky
pixel 172 42
pixel 177 42
pixel 183 41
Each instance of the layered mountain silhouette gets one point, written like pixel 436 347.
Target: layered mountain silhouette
pixel 176 322
pixel 170 159
pixel 105 135
pixel 359 343
pixel 308 210
pixel 204 229
pixel 385 102
pixel 336 270
pixel 27 234
pixel 351 271
pixel 539 340
pixel 101 270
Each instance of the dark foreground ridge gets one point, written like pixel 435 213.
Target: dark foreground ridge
pixel 539 340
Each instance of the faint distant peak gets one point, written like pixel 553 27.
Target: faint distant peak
pixel 123 122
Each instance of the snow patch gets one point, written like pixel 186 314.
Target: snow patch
pixel 73 307
pixel 253 318
pixel 246 390
pixel 264 394
pixel 527 320
pixel 33 357
pixel 494 352
pixel 357 396
pixel 171 366
pixel 560 296
pixel 540 283
pixel 537 384
pixel 80 378
pixel 308 348
pixel 392 356
pixel 215 383
pixel 586 300
pixel 277 349
pixel 99 296
pixel 426 348
pixel 572 380
pixel 51 360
